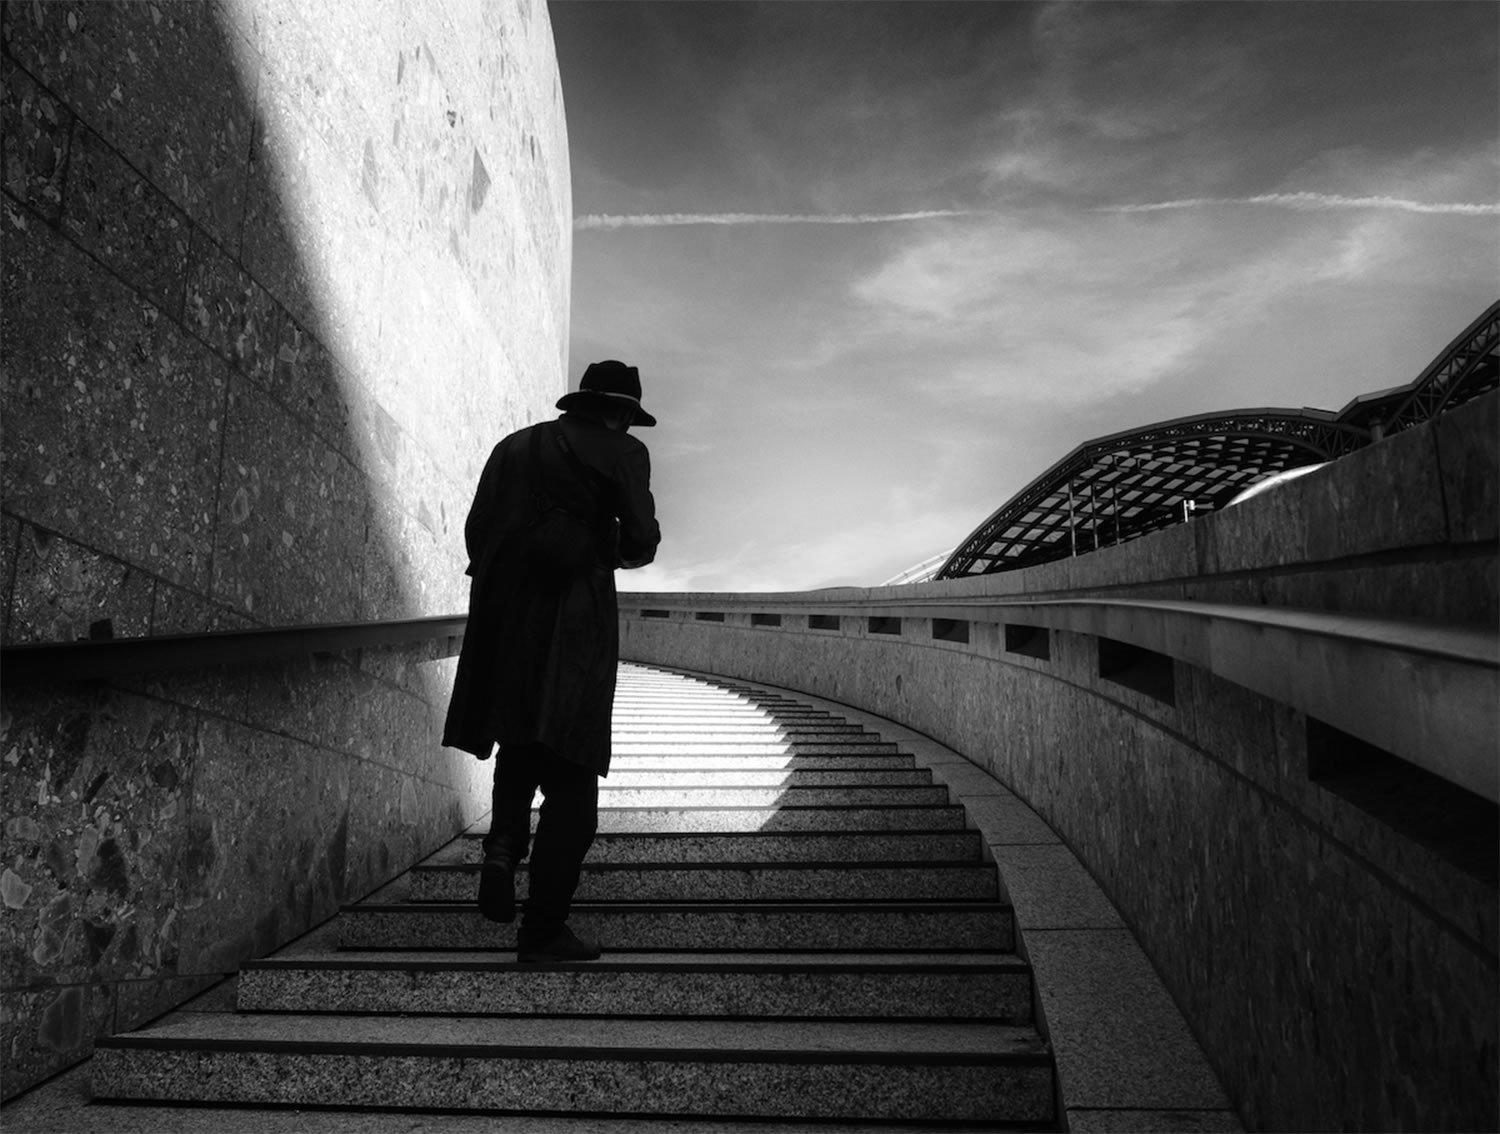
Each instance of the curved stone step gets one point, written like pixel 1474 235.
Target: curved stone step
pixel 738 882
pixel 709 746
pixel 730 714
pixel 785 986
pixel 653 723
pixel 771 797
pixel 736 776
pixel 970 1073
pixel 698 733
pixel 776 815
pixel 667 762
pixel 759 846
pixel 918 927
pixel 670 703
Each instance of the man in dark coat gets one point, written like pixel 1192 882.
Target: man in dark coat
pixel 560 505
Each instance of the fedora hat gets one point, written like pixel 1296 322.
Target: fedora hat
pixel 612 381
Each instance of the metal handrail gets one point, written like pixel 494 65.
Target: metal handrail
pixel 115 657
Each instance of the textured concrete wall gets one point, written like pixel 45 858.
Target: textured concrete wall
pixel 1339 973
pixel 276 276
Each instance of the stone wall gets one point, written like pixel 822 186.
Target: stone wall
pixel 1338 968
pixel 276 277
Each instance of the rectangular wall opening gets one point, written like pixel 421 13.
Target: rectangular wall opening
pixel 765 620
pixel 822 621
pixel 950 630
pixel 1138 668
pixel 1028 641
pixel 709 616
pixel 656 614
pixel 885 625
pixel 1460 827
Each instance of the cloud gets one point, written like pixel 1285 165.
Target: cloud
pixel 596 221
pixel 1313 201
pixel 862 549
pixel 1060 310
pixel 1071 307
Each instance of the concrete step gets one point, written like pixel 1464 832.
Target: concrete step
pixel 730 985
pixel 734 776
pixel 779 816
pixel 970 1073
pixel 764 760
pixel 653 723
pixel 742 713
pixel 759 846
pixel 783 739
pixel 746 714
pixel 697 735
pixel 707 745
pixel 633 697
pixel 919 927
pixel 738 882
pixel 639 698
pixel 771 797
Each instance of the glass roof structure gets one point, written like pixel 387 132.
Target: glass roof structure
pixel 1117 488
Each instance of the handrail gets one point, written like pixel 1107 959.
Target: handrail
pixel 115 657
pixel 1471 644
pixel 1349 670
pixel 1427 692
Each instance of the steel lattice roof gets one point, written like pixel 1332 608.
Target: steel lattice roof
pixel 1116 488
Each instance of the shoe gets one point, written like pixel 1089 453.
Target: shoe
pixel 563 945
pixel 497 890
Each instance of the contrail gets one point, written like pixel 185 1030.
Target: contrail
pixel 1313 201
pixel 666 220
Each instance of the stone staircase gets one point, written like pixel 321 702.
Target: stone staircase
pixel 797 926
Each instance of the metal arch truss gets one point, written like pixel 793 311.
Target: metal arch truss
pixel 1469 367
pixel 1119 487
pixel 1116 488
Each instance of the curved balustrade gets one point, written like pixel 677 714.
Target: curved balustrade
pixel 1427 693
pixel 1357 673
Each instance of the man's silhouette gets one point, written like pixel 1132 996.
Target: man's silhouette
pixel 560 505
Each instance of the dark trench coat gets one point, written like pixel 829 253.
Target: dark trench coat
pixel 539 656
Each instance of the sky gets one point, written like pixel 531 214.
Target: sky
pixel 882 263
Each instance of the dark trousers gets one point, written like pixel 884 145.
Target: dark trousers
pixel 564 831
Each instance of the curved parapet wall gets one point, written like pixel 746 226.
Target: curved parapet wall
pixel 276 277
pixel 1316 890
